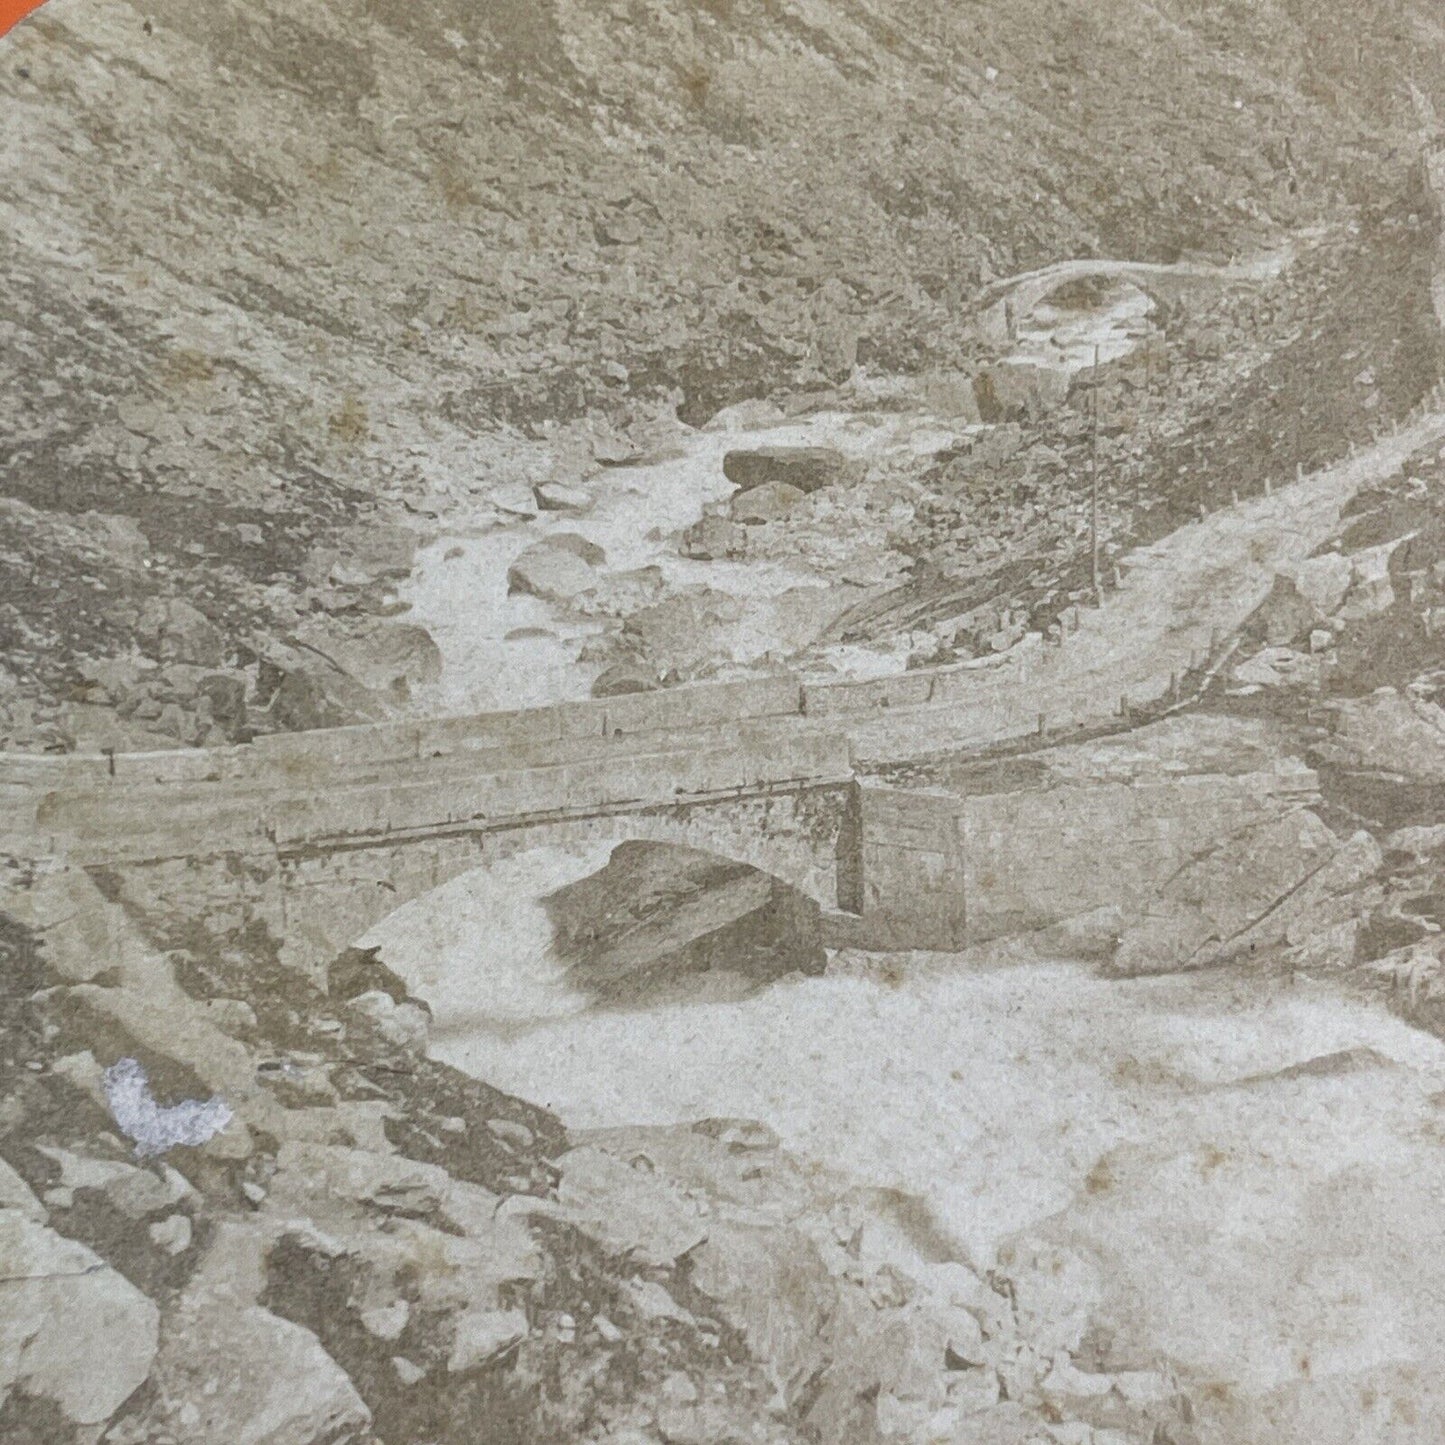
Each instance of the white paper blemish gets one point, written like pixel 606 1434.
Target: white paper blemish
pixel 154 1128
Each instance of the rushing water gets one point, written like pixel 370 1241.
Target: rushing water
pixel 502 650
pixel 459 589
pixel 1154 1124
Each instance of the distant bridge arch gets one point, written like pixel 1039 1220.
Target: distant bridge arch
pixel 1017 297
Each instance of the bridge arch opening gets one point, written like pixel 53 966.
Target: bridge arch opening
pixel 557 929
pixel 1064 320
pixel 330 896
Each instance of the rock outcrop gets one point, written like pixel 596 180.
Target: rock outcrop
pixel 73 1330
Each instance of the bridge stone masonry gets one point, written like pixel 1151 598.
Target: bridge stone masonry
pixel 318 836
pixel 321 834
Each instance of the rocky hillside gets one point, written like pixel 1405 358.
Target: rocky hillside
pixel 272 268
pixel 374 1248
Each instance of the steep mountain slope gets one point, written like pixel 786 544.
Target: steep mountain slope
pixel 267 265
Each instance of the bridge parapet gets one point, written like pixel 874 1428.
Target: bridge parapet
pixel 246 815
pixel 646 748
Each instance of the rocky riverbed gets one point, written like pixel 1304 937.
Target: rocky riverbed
pixel 1190 1187
pixel 769 1192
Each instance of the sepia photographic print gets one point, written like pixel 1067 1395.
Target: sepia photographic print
pixel 722 722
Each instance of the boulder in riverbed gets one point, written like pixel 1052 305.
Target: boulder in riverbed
pixel 663 918
pixel 806 468
pixel 562 497
pixel 770 502
pixel 515 499
pixel 579 546
pixel 745 416
pixel 623 678
pixel 712 538
pixel 555 574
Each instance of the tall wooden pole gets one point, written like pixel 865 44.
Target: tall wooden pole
pixel 1094 484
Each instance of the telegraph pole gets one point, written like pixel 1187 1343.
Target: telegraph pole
pixel 1094 485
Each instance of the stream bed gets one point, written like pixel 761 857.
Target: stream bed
pixel 505 649
pixel 1253 1167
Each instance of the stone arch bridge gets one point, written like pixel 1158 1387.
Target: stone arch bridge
pixel 1005 303
pixel 318 836
pixel 321 835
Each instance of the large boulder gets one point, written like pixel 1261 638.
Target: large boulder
pixel 623 678
pixel 234 1372
pixel 1323 580
pixel 120 538
pixel 748 415
pixel 480 1335
pixel 772 1287
pixel 981 453
pixel 515 499
pixel 226 694
pixel 73 1331
pixel 714 539
pixel 770 502
pixel 950 395
pixel 562 497
pixel 555 574
pixel 16 1194
pixel 301 697
pixel 1234 894
pixel 1371 588
pixel 578 545
pixel 627 1211
pixel 659 917
pixel 684 632
pixel 301 687
pixel 387 657
pixel 806 468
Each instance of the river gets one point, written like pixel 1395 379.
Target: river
pixel 1251 1166
pixel 1248 1219
pixel 502 649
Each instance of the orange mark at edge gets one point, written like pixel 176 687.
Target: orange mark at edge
pixel 12 12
